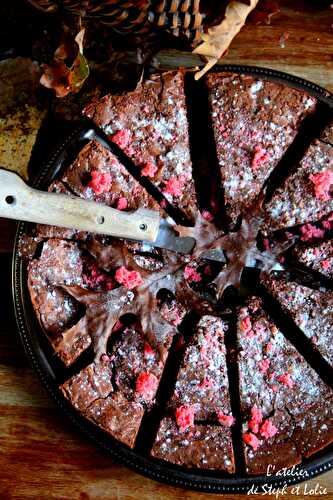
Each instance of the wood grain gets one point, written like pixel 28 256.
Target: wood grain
pixel 41 455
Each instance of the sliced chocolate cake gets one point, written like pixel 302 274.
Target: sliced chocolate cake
pixel 306 195
pixel 287 409
pixel 311 310
pixel 254 122
pixel 317 256
pixel 97 175
pixel 116 391
pixel 150 125
pixel 201 394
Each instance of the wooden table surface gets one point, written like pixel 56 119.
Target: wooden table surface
pixel 41 455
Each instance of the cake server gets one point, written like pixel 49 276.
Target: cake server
pixel 21 202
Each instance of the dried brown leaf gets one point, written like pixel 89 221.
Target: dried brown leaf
pixel 218 38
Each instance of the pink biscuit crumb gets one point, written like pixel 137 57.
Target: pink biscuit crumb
pixel 122 138
pixel 130 279
pixel 185 416
pixel 260 156
pixel 268 430
pixel 326 224
pixel 251 440
pixel 256 419
pixel 264 365
pixel 149 170
pixel 226 420
pixel 322 184
pixel 173 186
pixel 122 203
pixel 100 182
pixel 286 380
pixel 325 264
pixel 206 384
pixel 207 215
pixel 309 232
pixel 95 277
pixel 245 324
pixel 148 350
pixel 146 385
pixel 191 274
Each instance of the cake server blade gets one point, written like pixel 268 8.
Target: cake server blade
pixel 168 239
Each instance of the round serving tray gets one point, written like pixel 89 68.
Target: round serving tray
pixel 49 369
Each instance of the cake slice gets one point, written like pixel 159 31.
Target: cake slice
pixel 311 310
pixel 287 409
pixel 305 196
pixel 201 394
pixel 150 125
pixel 317 256
pixel 116 390
pixel 254 122
pixel 97 175
pixel 60 265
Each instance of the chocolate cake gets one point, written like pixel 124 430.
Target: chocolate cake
pixel 311 310
pixel 254 122
pixel 150 124
pixel 201 394
pixel 305 195
pixel 147 337
pixel 317 256
pixel 287 409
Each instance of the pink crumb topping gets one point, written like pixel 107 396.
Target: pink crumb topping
pixel 148 350
pixel 309 232
pixel 256 419
pixel 268 430
pixel 146 385
pixel 326 224
pixel 322 184
pixel 130 279
pixel 207 215
pixel 286 380
pixel 122 203
pixel 122 138
pixel 206 383
pixel 94 277
pixel 185 416
pixel 226 420
pixel 173 186
pixel 245 324
pixel 191 274
pixel 325 264
pixel 260 156
pixel 100 182
pixel 264 365
pixel 149 169
pixel 251 440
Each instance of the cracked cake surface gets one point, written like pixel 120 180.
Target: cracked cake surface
pixel 150 125
pixel 254 122
pixel 154 339
pixel 287 408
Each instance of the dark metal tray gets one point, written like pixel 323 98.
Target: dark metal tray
pixel 50 370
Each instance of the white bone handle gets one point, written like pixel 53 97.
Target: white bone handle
pixel 21 202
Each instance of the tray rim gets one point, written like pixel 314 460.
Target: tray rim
pixel 147 466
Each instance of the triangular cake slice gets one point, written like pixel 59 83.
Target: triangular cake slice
pixel 317 256
pixel 305 196
pixel 116 390
pixel 150 125
pixel 201 394
pixel 287 409
pixel 254 122
pixel 97 175
pixel 311 310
